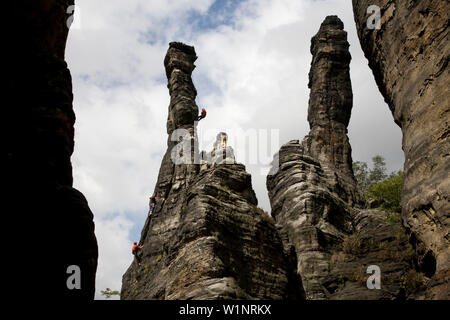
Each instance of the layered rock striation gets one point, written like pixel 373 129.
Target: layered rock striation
pixel 206 238
pixel 315 200
pixel 312 206
pixel 331 98
pixel 409 55
pixel 56 224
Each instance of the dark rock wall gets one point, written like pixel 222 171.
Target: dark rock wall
pixel 206 238
pixel 55 222
pixel 409 57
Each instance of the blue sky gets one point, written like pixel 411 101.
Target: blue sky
pixel 251 74
pixel 220 13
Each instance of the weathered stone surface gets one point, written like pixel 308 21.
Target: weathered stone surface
pixel 55 222
pixel 312 205
pixel 179 64
pixel 409 58
pixel 313 191
pixel 318 211
pixel 375 241
pixel 213 244
pixel 438 288
pixel 315 201
pixel 330 101
pixel 206 238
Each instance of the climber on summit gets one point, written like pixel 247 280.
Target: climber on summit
pixel 202 114
pixel 135 249
pixel 152 204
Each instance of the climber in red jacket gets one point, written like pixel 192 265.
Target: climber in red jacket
pixel 202 115
pixel 135 249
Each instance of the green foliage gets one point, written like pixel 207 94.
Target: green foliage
pixel 361 172
pixel 388 192
pixel 393 217
pixel 265 215
pixel 378 172
pixel 360 275
pixel 108 293
pixel 341 280
pixel 409 254
pixel 412 282
pixel 367 177
pixel 378 185
pixel 352 244
pixel 223 188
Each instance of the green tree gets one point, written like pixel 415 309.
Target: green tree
pixel 108 293
pixel 378 172
pixel 376 184
pixel 361 173
pixel 388 192
pixel 367 177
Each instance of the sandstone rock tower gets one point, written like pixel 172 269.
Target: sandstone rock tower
pixel 330 101
pixel 206 238
pixel 409 57
pixel 315 201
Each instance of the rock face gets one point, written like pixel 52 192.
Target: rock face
pixel 409 57
pixel 315 201
pixel 330 101
pixel 311 204
pixel 206 238
pixel 56 224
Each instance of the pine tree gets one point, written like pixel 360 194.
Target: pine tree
pixel 378 172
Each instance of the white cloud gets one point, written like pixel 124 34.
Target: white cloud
pixel 114 253
pixel 251 73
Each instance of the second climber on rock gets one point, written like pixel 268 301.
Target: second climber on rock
pixel 202 114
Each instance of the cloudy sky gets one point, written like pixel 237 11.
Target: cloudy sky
pixel 251 76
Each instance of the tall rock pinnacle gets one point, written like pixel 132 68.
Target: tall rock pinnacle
pixel 182 113
pixel 330 101
pixel 206 238
pixel 179 64
pixel 315 201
